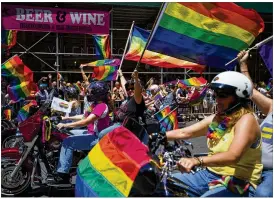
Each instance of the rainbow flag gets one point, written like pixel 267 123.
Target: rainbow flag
pixel 21 91
pixel 16 71
pixel 23 113
pixel 105 62
pixel 102 46
pixel 138 41
pixel 112 165
pixel 105 73
pixel 209 34
pixel 8 38
pixel 197 97
pixel 7 114
pixel 194 81
pixel 168 119
pixel 77 87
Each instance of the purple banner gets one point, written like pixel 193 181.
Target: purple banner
pixel 266 52
pixel 42 19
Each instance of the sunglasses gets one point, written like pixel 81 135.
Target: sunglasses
pixel 131 88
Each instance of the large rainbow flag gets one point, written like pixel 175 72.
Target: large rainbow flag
pixel 210 34
pixel 138 40
pixel 16 71
pixel 23 113
pixel 21 91
pixel 102 47
pixel 194 81
pixel 8 38
pixel 111 166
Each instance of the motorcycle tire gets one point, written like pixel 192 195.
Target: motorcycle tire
pixel 20 183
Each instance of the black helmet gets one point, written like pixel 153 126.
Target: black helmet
pixel 72 93
pixel 97 91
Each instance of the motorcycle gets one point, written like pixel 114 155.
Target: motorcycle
pixel 32 163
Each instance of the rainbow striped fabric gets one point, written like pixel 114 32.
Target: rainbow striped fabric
pixel 23 113
pixel 138 41
pixel 167 118
pixel 194 81
pixel 210 34
pixel 8 38
pixel 105 70
pixel 21 91
pixel 102 47
pixel 16 71
pixel 105 73
pixel 197 97
pixel 105 62
pixel 111 166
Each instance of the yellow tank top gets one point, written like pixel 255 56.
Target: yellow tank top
pixel 248 168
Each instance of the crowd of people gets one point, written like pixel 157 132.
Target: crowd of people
pixel 239 154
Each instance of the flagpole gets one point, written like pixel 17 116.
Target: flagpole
pixel 128 38
pixel 258 45
pixel 151 33
pixel 168 114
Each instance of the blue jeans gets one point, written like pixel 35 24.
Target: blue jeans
pixel 108 130
pixel 265 189
pixel 71 143
pixel 78 131
pixel 196 185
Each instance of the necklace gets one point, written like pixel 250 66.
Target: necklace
pixel 217 130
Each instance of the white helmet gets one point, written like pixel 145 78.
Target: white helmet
pixel 235 82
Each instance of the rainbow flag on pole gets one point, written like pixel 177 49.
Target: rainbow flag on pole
pixel 137 44
pixel 21 91
pixel 16 71
pixel 105 70
pixel 111 166
pixel 194 81
pixel 7 114
pixel 105 73
pixel 23 113
pixel 8 38
pixel 167 118
pixel 209 34
pixel 105 62
pixel 197 97
pixel 102 46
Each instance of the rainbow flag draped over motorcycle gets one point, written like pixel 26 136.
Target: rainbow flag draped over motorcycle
pixel 111 166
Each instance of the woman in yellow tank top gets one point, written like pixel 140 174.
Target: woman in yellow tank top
pixel 233 165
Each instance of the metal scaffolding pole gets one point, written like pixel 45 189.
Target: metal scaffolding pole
pixel 57 59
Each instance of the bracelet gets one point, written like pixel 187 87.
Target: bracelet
pixel 200 160
pixel 200 163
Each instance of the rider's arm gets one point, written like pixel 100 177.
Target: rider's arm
pixel 195 130
pixel 91 118
pixel 76 117
pixel 264 103
pixel 245 133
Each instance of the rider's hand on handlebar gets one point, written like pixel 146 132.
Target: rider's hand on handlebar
pixel 185 165
pixel 61 125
